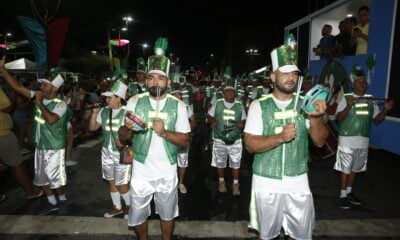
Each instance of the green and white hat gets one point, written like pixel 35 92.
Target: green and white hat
pixel 284 58
pixel 56 81
pixel 140 65
pixel 118 88
pixel 230 83
pixel 158 63
pixel 356 72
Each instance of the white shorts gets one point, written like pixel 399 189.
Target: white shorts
pixel 183 158
pixel 111 168
pixel 50 168
pixel 292 211
pixel 221 152
pixel 351 159
pixel 165 195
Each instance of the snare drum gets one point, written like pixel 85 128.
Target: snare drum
pixel 330 147
pixel 318 92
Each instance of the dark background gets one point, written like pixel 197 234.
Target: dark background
pixel 195 29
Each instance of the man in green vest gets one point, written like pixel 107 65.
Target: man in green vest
pixel 355 120
pixel 227 118
pixel 49 134
pixel 156 147
pixel 276 132
pixel 116 174
pixel 138 86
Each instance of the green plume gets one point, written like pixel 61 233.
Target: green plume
pixel 160 46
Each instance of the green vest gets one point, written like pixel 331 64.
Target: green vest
pixel 133 88
pixel 51 136
pixel 260 92
pixel 116 122
pixel 219 94
pixel 287 159
pixel 142 139
pixel 358 120
pixel 210 91
pixel 222 115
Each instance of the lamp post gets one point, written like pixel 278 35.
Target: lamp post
pixel 251 53
pixel 144 46
pixel 127 19
pixel 5 35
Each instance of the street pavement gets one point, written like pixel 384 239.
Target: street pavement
pixel 205 213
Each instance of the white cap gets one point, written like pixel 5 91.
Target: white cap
pixel 118 88
pixel 56 82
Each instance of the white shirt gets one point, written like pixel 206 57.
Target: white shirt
pixel 287 184
pixel 353 141
pixel 157 165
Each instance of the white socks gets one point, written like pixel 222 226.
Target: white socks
pixel 343 193
pixel 235 181
pixel 116 199
pixel 62 197
pixel 348 190
pixel 52 199
pixel 126 197
pixel 221 179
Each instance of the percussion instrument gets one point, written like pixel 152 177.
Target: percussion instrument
pixel 370 100
pixel 330 147
pixel 140 125
pixel 318 92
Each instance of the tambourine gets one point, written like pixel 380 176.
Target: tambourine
pixel 140 124
pixel 318 92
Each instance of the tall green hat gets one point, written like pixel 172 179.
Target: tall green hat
pixel 140 65
pixel 175 74
pixel 158 63
pixel 284 58
pixel 228 72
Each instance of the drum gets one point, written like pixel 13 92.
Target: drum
pixel 140 125
pixel 330 147
pixel 318 92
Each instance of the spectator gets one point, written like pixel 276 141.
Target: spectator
pixel 344 47
pixel 360 32
pixel 326 43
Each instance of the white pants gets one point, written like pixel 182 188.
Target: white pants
pixel 50 168
pixel 165 195
pixel 111 168
pixel 221 152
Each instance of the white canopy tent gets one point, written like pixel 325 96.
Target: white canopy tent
pixel 20 64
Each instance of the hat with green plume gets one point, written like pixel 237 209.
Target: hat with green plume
pixel 158 63
pixel 284 58
pixel 140 65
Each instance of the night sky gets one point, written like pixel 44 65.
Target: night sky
pixel 195 29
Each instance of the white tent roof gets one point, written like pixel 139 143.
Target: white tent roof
pixel 20 64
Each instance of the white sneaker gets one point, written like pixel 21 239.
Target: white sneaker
pixel 182 188
pixel 70 163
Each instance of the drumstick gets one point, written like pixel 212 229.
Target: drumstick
pixel 158 101
pixel 299 83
